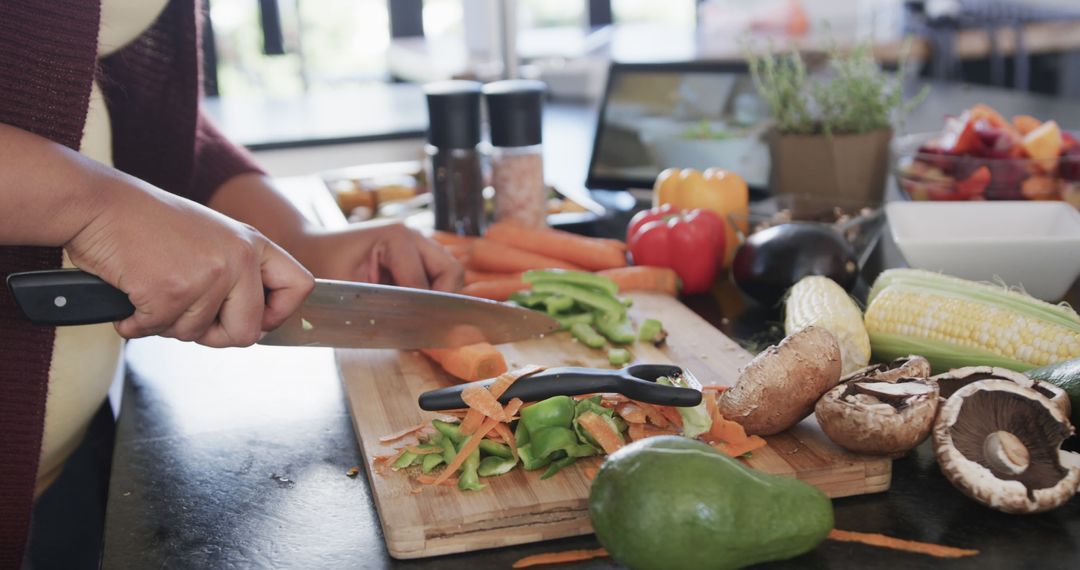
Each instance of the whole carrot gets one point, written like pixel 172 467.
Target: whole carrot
pixel 589 253
pixel 495 257
pixel 478 276
pixel 496 290
pixel 644 278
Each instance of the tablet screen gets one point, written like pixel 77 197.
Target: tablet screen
pixel 693 115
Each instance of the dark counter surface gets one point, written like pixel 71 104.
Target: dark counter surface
pixel 237 458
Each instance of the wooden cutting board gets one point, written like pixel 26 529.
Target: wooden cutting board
pixel 382 387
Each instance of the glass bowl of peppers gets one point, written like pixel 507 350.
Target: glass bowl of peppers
pixel 979 155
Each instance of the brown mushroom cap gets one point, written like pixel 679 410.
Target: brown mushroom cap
pixel 999 443
pixel 911 366
pixel 953 380
pixel 879 417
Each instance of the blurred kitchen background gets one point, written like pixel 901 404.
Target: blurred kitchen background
pixel 322 87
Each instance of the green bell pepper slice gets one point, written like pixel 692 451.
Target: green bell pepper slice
pixel 600 301
pixel 405 460
pixel 449 451
pixel 556 304
pixel 450 430
pixel 618 356
pixel 557 411
pixel 529 299
pixel 530 461
pixel 618 331
pixel 556 466
pixel 577 278
pixel 521 435
pixel 493 466
pixel 567 321
pixel 489 447
pixel 470 479
pixel 431 461
pixel 649 330
pixel 549 441
pixel 587 335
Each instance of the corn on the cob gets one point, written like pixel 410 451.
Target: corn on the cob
pixel 954 322
pixel 819 301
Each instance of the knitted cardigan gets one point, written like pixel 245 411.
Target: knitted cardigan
pixel 48 61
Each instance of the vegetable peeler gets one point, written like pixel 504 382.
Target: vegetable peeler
pixel 637 382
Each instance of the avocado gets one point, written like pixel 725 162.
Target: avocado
pixel 672 502
pixel 1064 375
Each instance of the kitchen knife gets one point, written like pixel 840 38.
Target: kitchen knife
pixel 336 314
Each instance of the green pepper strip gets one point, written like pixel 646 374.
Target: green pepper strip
pixel 556 304
pixel 649 329
pixel 431 461
pixel 449 430
pixel 489 447
pixel 618 356
pixel 587 335
pixel 449 451
pixel 617 331
pixel 557 411
pixel 521 435
pixel 557 466
pixel 405 460
pixel 579 278
pixel 470 479
pixel 600 301
pixel 530 461
pixel 554 439
pixel 531 300
pixel 492 466
pixel 568 321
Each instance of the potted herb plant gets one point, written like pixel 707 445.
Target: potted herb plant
pixel 831 134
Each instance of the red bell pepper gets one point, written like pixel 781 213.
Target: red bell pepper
pixel 689 241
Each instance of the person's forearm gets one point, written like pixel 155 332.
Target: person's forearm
pixel 48 192
pixel 252 199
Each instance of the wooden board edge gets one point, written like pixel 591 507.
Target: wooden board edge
pixel 568 523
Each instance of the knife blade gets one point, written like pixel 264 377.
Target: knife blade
pixel 336 314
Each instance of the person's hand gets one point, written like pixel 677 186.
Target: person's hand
pixel 191 273
pixel 390 254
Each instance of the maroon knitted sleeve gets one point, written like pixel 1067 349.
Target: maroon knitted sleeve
pixel 47 53
pixel 152 88
pixel 216 161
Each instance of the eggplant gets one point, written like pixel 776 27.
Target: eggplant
pixel 769 262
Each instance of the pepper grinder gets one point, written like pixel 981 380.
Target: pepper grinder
pixel 453 165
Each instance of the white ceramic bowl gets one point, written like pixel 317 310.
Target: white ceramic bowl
pixel 1033 245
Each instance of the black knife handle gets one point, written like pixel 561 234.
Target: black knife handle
pixel 68 297
pixel 539 386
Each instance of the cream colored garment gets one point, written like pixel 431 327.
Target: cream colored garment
pixel 86 359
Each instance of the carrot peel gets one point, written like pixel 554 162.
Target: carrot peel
pixel 880 540
pixel 560 557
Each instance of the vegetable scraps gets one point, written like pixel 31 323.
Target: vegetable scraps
pixel 491 439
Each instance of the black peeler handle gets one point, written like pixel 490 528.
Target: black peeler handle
pixel 571 382
pixel 68 297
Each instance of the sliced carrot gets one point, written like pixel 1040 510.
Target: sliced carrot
pixel 880 540
pixel 447 238
pixel 468 447
pixel 512 408
pixel 727 431
pixel 656 417
pixel 499 290
pixel 480 276
pixel 495 257
pixel 507 436
pixel 609 439
pixel 428 479
pixel 480 399
pixel 752 443
pixel 507 379
pixel 714 388
pixel 642 431
pixel 400 434
pixel 586 252
pixel 632 413
pixel 421 451
pixel 560 557
pixel 469 363
pixel 671 415
pixel 644 278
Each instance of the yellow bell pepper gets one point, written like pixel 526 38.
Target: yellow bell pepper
pixel 718 190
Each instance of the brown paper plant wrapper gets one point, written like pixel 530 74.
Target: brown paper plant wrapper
pixel 850 167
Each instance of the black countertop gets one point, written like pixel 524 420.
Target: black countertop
pixel 237 457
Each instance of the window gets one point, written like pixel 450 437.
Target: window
pixel 681 12
pixel 331 45
pixel 551 13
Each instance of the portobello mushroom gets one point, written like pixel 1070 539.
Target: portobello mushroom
pixel 879 417
pixel 907 367
pixel 1000 443
pixel 951 381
